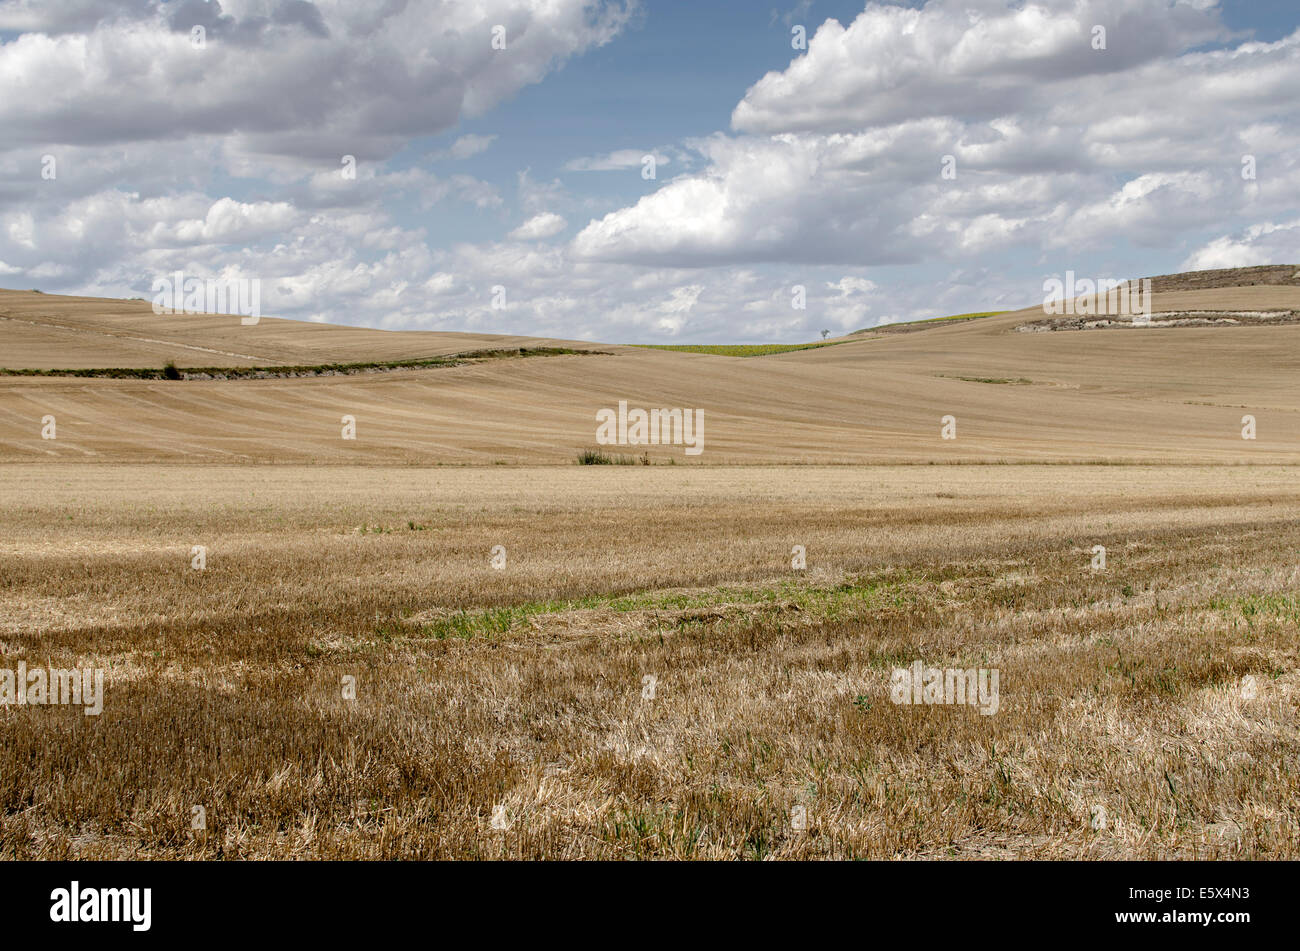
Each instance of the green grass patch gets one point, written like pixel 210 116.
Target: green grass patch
pixel 829 603
pixel 1261 606
pixel 972 316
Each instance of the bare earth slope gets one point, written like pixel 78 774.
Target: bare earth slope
pixel 1152 395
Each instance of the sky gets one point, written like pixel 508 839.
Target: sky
pixel 907 160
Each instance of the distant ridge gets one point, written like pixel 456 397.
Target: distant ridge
pixel 1275 274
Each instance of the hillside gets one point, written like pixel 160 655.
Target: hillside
pixel 47 331
pixel 1174 394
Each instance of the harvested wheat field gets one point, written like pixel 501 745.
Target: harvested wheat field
pixel 646 675
pixel 1153 395
pixel 444 639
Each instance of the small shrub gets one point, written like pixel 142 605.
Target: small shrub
pixel 594 457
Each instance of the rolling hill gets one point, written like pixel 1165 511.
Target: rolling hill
pixel 1168 394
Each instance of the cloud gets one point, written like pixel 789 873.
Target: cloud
pixel 831 166
pixel 976 58
pixel 312 81
pixel 467 146
pixel 783 198
pixel 67 16
pixel 839 158
pixel 1259 244
pixel 535 196
pixel 795 14
pixel 545 225
pixel 615 161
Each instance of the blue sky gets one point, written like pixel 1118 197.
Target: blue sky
pixel 676 72
pixel 779 168
pixel 1266 20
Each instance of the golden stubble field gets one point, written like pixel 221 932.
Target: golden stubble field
pixel 1122 396
pixel 442 639
pixel 1147 709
